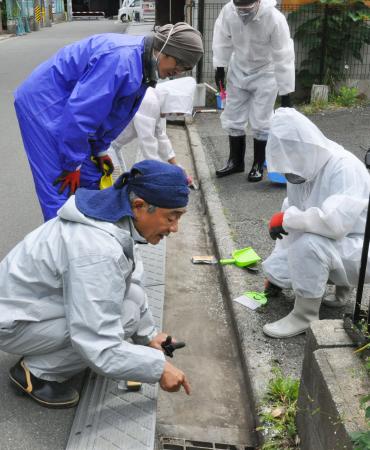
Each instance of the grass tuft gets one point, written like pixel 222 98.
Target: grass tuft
pixel 278 411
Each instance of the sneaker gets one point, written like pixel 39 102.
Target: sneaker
pixel 50 394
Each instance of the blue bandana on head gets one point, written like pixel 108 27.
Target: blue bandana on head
pixel 159 184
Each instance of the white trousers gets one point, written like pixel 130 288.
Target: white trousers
pixel 253 104
pixel 305 264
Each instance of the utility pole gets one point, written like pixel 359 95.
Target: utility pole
pixel 47 12
pixel 201 30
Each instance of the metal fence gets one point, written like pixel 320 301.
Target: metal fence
pixel 331 42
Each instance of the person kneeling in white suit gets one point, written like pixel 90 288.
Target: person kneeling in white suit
pixel 321 225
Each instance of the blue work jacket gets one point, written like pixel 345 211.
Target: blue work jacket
pixel 74 104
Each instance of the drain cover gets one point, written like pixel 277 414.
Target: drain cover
pixel 167 443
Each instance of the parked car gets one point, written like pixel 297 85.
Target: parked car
pixel 131 10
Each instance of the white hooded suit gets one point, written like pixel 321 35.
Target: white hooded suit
pixel 260 61
pixel 325 216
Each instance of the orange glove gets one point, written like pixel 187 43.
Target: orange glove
pixel 68 179
pixel 276 226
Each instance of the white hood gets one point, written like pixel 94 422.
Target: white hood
pixel 177 96
pixel 296 145
pixel 264 6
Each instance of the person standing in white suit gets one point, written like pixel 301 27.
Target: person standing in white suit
pixel 252 39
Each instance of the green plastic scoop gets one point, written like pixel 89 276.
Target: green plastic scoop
pixel 242 258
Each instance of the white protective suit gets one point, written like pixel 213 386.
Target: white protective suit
pixel 260 61
pixel 148 125
pixel 69 299
pixel 325 216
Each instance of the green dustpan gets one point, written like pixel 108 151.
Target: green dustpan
pixel 242 258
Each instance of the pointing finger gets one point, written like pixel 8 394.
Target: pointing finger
pixel 186 386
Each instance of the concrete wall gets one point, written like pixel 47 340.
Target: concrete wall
pixel 333 382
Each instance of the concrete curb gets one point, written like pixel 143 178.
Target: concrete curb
pixel 332 385
pixel 256 362
pixel 5 37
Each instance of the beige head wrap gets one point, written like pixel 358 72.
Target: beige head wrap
pixel 184 43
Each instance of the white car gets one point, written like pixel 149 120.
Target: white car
pixel 130 10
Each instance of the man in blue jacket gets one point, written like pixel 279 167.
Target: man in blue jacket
pixel 74 104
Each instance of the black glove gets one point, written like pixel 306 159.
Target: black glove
pixel 220 78
pixel 286 101
pixel 276 229
pixel 277 233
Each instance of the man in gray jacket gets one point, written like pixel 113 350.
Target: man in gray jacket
pixel 70 295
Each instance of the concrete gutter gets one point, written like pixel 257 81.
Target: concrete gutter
pixel 256 358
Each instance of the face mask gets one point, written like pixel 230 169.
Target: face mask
pixel 293 178
pixel 247 13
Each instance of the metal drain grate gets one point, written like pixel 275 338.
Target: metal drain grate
pixel 167 443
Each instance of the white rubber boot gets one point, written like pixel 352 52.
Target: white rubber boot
pixel 297 321
pixel 338 298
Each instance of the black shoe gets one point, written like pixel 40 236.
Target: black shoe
pixel 47 393
pixel 272 290
pixel 256 173
pixel 235 163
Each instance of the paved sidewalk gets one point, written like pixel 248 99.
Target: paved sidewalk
pixel 239 213
pixel 109 417
pixel 4 37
